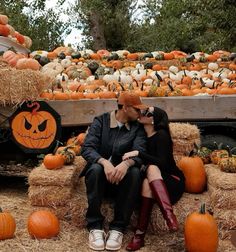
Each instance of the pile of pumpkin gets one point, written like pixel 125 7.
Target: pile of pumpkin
pixel 221 155
pixel 6 30
pixel 64 155
pixel 101 75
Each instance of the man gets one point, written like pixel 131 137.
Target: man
pixel 109 137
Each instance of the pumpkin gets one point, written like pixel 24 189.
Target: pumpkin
pixel 218 153
pixel 34 128
pixel 194 172
pixel 20 38
pixel 43 224
pixel 53 162
pixel 4 30
pixel 27 63
pixel 3 19
pixel 7 225
pixel 228 164
pixel 200 232
pixel 67 153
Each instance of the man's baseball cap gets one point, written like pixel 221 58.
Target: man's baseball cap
pixel 131 99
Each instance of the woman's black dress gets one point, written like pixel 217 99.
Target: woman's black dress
pixel 160 153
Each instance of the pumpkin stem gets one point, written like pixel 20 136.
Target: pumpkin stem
pixel 1 210
pixel 203 208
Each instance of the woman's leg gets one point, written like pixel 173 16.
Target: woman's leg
pixel 161 194
pixel 144 215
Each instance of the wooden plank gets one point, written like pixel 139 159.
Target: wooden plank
pixel 189 108
pixel 82 112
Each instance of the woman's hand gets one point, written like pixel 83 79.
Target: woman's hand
pixel 130 154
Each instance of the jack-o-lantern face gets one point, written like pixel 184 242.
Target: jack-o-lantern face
pixel 34 129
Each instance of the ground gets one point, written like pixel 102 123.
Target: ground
pixel 13 198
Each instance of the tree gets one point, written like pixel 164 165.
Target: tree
pixel 106 23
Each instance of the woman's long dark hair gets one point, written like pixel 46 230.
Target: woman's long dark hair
pixel 161 120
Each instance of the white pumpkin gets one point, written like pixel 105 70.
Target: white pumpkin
pixel 62 77
pixel 213 66
pixel 174 69
pixel 65 63
pixel 109 77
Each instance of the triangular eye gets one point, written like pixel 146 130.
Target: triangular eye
pixel 42 126
pixel 27 124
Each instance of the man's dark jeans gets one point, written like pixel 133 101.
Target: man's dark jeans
pixel 124 195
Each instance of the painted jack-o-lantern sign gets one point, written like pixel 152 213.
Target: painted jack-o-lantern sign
pixel 35 127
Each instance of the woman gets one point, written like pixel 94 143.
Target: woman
pixel 164 182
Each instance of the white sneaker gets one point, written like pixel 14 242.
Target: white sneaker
pixel 114 240
pixel 97 239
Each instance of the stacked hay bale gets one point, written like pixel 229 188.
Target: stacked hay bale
pixel 183 135
pixel 19 85
pixel 57 190
pixel 222 191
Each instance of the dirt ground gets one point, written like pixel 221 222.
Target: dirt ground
pixel 13 198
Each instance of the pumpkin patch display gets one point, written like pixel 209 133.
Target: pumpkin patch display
pixel 35 127
pixel 201 232
pixel 43 224
pixel 7 225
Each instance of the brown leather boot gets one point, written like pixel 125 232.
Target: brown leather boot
pixel 145 211
pixel 161 194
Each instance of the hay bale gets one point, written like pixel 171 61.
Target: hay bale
pixel 223 199
pixel 184 136
pixel 49 195
pixel 184 131
pixel 218 179
pixel 187 204
pixel 68 175
pixel 19 85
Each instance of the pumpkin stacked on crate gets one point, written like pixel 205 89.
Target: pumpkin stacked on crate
pixel 221 175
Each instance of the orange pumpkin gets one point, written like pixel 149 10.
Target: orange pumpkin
pixel 3 19
pixel 53 162
pixel 200 232
pixel 4 30
pixel 20 38
pixel 194 172
pixel 27 63
pixel 7 225
pixel 43 224
pixel 34 128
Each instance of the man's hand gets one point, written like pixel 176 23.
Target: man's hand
pixel 130 154
pixel 120 171
pixel 109 169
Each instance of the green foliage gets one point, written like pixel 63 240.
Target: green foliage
pixel 200 25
